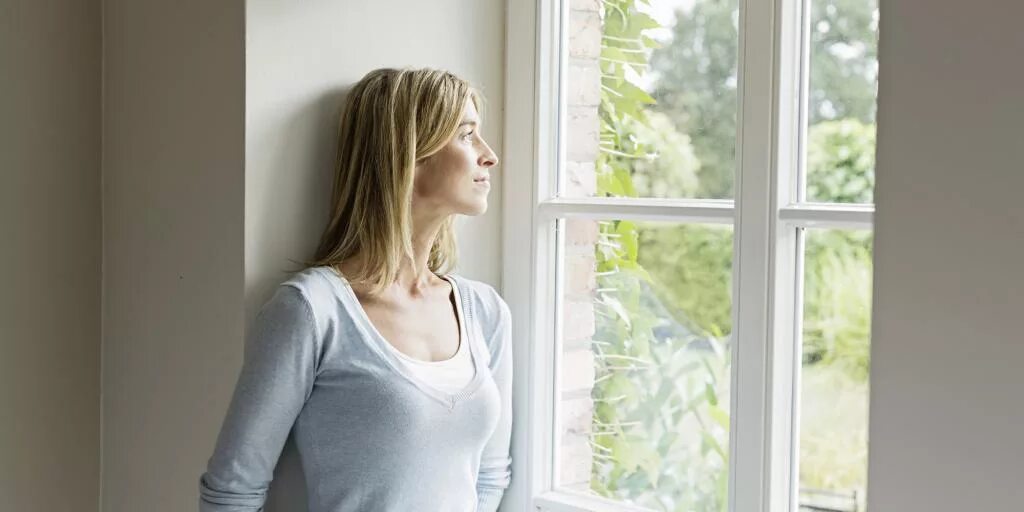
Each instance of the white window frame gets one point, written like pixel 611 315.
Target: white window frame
pixel 767 263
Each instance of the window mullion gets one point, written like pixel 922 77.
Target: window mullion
pixel 755 218
pixel 817 215
pixel 786 274
pixel 698 211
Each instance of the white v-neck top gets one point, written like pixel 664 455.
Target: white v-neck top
pixel 452 374
pixel 374 434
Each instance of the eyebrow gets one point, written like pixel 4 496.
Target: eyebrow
pixel 464 123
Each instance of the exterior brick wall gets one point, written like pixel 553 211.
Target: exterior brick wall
pixel 577 358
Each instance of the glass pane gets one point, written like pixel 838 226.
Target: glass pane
pixel 834 373
pixel 645 366
pixel 650 99
pixel 843 89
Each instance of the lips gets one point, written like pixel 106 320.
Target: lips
pixel 482 179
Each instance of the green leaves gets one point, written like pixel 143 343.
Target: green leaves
pixel 657 418
pixel 623 56
pixel 628 238
pixel 633 93
pixel 841 162
pixel 710 394
pixel 624 21
pixel 720 417
pixel 625 454
pixel 667 428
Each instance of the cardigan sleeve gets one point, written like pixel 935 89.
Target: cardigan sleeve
pixel 496 462
pixel 278 370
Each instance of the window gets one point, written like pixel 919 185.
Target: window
pixel 689 263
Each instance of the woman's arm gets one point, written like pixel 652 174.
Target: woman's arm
pixel 276 379
pixel 496 463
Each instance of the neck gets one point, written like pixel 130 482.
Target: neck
pixel 414 276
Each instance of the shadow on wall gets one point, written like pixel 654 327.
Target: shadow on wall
pixel 295 152
pixel 292 157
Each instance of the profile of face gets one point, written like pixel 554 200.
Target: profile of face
pixel 456 179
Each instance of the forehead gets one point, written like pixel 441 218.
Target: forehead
pixel 469 113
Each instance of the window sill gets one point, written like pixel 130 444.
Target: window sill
pixel 567 501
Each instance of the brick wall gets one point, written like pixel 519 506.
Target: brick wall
pixel 577 358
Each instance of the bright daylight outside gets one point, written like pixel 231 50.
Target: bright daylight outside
pixel 651 111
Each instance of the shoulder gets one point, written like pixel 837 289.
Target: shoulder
pixel 486 300
pixel 312 282
pixel 492 312
pixel 312 286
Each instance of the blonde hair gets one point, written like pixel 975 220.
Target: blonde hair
pixel 392 119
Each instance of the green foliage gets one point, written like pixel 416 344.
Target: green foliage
pixel 836 357
pixel 837 301
pixel 698 77
pixel 844 54
pixel 672 170
pixel 841 162
pixel 692 265
pixel 697 88
pixel 661 418
pixel 661 411
pixel 660 421
pixel 833 458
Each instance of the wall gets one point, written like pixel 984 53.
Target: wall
pixel 173 203
pixel 49 255
pixel 218 140
pixel 180 188
pixel 300 59
pixel 947 340
pixel 577 364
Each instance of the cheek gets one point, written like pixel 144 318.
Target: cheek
pixel 452 165
pixel 440 177
pixel 448 173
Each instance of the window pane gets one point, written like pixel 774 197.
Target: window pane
pixel 650 99
pixel 834 373
pixel 645 366
pixel 843 88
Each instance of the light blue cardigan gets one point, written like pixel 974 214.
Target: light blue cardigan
pixel 370 434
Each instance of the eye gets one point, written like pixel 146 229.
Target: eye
pixel 468 135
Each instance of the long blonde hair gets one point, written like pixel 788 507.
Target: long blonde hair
pixel 392 119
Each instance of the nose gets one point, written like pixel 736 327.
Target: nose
pixel 487 158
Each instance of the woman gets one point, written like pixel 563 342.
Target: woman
pixel 395 373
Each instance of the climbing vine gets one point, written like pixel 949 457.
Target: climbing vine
pixel 659 422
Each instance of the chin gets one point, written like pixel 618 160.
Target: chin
pixel 480 210
pixel 474 208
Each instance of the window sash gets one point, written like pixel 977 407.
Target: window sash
pixel 767 274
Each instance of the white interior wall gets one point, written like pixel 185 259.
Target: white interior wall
pixel 947 340
pixel 49 255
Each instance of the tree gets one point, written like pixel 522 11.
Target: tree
pixel 697 75
pixel 696 88
pixel 656 395
pixel 841 162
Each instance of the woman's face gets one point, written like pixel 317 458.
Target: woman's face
pixel 456 179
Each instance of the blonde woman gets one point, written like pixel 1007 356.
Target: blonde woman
pixel 395 372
